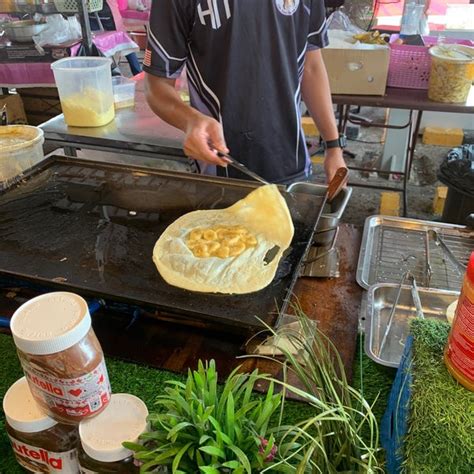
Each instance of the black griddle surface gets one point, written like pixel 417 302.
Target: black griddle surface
pixel 91 227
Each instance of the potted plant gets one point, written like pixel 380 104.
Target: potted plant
pixel 201 427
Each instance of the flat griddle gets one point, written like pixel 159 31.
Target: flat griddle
pixel 90 227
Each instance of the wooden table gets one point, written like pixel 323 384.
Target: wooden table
pixel 414 100
pixel 333 303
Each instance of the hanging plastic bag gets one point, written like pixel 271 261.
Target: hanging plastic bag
pixel 340 21
pixel 59 30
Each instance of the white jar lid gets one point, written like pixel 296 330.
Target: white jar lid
pixel 50 323
pixel 22 412
pixel 124 419
pixel 457 53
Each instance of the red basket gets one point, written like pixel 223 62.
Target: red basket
pixel 409 66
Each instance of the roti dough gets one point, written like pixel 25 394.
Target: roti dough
pixel 263 213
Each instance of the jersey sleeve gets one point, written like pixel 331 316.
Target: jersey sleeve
pixel 168 36
pixel 317 35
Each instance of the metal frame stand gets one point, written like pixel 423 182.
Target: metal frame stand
pixel 413 126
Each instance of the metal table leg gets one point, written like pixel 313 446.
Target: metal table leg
pixel 410 158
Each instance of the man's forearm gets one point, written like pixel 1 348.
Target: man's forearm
pixel 165 101
pixel 317 95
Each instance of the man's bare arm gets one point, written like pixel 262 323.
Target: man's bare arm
pixel 317 97
pixel 200 130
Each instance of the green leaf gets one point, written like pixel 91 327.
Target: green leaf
pixel 213 451
pixel 232 464
pixel 209 470
pixel 242 458
pixel 134 446
pixel 180 426
pixel 230 414
pixel 204 438
pixel 178 457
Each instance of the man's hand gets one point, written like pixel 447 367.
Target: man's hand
pixel 204 135
pixel 333 161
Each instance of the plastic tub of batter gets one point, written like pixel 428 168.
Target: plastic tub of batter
pixel 21 147
pixel 85 90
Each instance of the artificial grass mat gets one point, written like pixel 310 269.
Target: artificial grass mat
pixel 442 439
pixel 147 383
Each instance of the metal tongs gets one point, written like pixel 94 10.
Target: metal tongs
pixel 433 234
pixel 240 166
pixel 416 299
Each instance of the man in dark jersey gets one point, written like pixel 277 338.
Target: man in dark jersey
pixel 248 64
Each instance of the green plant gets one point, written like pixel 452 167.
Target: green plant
pixel 203 428
pixel 331 440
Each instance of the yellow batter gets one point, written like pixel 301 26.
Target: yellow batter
pixel 88 109
pixel 225 251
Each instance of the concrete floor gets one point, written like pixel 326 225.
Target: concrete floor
pixel 422 186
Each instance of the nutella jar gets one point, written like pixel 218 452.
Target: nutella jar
pixel 61 356
pixel 40 444
pixel 124 419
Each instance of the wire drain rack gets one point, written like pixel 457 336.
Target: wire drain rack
pixel 392 246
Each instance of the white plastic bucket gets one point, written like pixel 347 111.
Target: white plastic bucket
pixel 21 147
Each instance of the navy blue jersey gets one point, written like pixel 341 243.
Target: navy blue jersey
pixel 244 61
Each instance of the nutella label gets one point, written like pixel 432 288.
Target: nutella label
pixel 35 459
pixel 81 396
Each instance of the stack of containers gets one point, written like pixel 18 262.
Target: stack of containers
pixel 62 416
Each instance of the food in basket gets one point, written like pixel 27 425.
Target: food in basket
pixel 372 37
pixel 234 250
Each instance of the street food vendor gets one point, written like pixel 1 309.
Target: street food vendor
pixel 249 63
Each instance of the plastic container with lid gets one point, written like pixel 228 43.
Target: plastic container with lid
pixel 459 353
pixel 124 419
pixel 61 356
pixel 124 92
pixel 85 90
pixel 452 73
pixel 40 444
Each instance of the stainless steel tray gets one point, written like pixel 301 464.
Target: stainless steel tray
pixel 393 245
pixel 380 299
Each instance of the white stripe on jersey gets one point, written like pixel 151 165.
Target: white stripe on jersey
pixel 206 87
pixel 318 31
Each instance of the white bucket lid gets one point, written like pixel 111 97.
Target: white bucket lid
pixel 124 419
pixel 50 323
pixel 453 52
pixel 22 412
pixel 26 134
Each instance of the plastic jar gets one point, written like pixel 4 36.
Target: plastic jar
pixel 124 419
pixel 61 356
pixel 452 73
pixel 459 353
pixel 40 444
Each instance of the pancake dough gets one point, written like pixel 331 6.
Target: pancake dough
pixel 263 213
